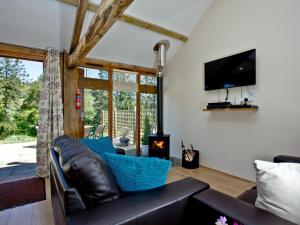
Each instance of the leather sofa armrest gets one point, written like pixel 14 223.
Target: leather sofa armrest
pixel 287 159
pixel 160 206
pixel 214 204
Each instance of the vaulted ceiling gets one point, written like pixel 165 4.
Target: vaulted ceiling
pixel 49 23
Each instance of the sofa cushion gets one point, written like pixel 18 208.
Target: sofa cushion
pixel 87 171
pixel 134 173
pixel 278 186
pixel 94 179
pixel 99 145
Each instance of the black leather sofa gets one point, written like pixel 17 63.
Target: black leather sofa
pixel 160 206
pixel 185 202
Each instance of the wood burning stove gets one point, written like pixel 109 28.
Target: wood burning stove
pixel 159 144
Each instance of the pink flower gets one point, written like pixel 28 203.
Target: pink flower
pixel 221 221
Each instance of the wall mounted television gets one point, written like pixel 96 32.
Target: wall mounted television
pixel 232 71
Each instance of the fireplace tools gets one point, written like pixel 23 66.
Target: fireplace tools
pixel 190 157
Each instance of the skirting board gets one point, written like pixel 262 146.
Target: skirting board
pixel 175 161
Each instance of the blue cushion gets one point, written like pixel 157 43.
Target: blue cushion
pixel 99 145
pixel 134 173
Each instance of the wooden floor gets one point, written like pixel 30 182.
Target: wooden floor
pixel 40 213
pixel 217 180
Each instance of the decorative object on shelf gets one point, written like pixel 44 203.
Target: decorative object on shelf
pixel 245 101
pixel 223 221
pixel 190 157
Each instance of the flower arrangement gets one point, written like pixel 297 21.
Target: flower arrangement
pixel 223 221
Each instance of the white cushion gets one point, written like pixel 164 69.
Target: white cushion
pixel 278 189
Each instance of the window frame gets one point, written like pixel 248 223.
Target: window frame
pixel 99 84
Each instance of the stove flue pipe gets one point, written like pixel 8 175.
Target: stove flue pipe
pixel 160 49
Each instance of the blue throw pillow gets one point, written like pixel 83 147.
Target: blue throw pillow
pixel 134 173
pixel 99 145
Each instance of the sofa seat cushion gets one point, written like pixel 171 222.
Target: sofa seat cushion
pixel 134 173
pixel 99 145
pixel 86 171
pixel 160 206
pixel 94 180
pixel 278 186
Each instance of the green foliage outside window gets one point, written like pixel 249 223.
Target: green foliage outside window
pixel 19 100
pixel 147 130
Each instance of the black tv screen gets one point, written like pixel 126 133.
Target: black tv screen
pixel 232 71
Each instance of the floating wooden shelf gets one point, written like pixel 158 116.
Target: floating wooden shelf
pixel 252 109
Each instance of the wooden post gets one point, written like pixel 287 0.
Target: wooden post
pixel 71 115
pixel 110 102
pixel 114 122
pixel 138 116
pixel 81 130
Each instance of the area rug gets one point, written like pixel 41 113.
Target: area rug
pixel 20 192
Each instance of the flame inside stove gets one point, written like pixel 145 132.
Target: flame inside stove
pixel 159 144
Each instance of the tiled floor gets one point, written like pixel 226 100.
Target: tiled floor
pixel 17 160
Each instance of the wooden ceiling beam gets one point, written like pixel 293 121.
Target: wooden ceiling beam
pixel 153 27
pixel 21 52
pixel 136 22
pixel 107 14
pixel 80 14
pixel 91 62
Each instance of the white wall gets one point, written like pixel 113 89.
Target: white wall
pixel 230 141
pixel 27 23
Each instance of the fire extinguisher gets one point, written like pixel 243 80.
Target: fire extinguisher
pixel 78 99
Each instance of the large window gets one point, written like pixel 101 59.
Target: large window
pixel 148 118
pixel 148 80
pixel 121 104
pixel 96 119
pixel 124 110
pixel 20 82
pixel 96 74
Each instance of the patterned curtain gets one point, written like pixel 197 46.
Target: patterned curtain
pixel 50 123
